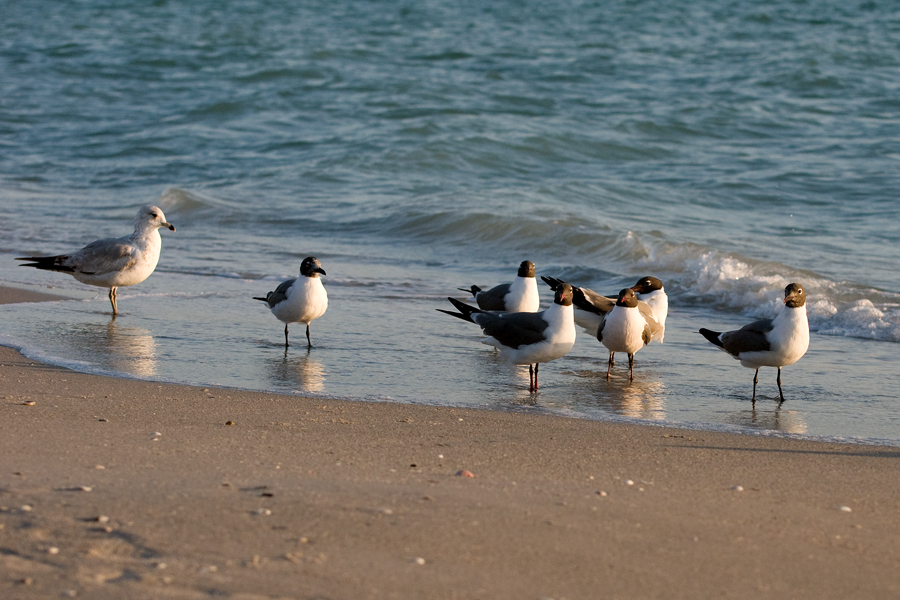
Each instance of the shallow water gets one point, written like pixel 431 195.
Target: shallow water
pixel 726 148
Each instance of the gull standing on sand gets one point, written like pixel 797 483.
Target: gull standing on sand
pixel 113 262
pixel 299 300
pixel 774 342
pixel 591 308
pixel 526 338
pixel 519 296
pixel 625 329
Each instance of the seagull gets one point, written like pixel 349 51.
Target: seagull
pixel 774 342
pixel 519 296
pixel 299 300
pixel 113 262
pixel 526 338
pixel 591 308
pixel 650 290
pixel 626 328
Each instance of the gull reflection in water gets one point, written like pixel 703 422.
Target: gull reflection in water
pixel 125 349
pixel 301 371
pixel 131 349
pixel 776 418
pixel 637 399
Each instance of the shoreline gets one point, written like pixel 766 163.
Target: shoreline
pixel 114 488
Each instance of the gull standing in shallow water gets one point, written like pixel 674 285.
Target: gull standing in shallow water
pixel 113 262
pixel 774 342
pixel 625 329
pixel 299 300
pixel 650 290
pixel 519 296
pixel 591 308
pixel 526 338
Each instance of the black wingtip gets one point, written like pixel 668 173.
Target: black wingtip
pixel 712 336
pixel 553 282
pixel 472 290
pixel 263 299
pixel 465 311
pixel 452 314
pixel 46 263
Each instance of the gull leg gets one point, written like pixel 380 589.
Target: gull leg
pixel 530 378
pixel 780 393
pixel 536 365
pixel 631 366
pixel 609 366
pixel 112 299
pixel 308 341
pixel 286 336
pixel 755 381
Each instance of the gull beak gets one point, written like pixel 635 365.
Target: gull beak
pixel 169 226
pixel 320 270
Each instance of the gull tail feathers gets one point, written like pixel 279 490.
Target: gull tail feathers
pixel 47 263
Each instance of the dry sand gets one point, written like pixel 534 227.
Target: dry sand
pixel 111 488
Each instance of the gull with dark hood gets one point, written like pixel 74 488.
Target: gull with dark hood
pixel 774 342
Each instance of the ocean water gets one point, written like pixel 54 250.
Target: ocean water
pixel 415 147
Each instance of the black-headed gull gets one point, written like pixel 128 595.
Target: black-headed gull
pixel 113 262
pixel 651 290
pixel 625 329
pixel 526 338
pixel 519 296
pixel 299 300
pixel 774 342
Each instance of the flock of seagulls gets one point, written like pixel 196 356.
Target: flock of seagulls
pixel 507 314
pixel 633 319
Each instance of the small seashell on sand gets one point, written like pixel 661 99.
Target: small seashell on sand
pixel 465 473
pixel 84 488
pixel 738 488
pixel 845 509
pixel 419 560
pixel 102 519
pixel 602 493
pixel 28 403
pixel 52 550
pixel 628 482
pixel 229 422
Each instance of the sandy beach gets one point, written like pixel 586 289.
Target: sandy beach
pixel 115 488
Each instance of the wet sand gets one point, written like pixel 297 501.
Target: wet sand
pixel 114 488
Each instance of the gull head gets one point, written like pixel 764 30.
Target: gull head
pixel 151 217
pixel 627 298
pixel 563 295
pixel 311 267
pixel 648 284
pixel 794 295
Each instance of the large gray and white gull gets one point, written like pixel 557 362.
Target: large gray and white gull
pixel 299 300
pixel 526 338
pixel 774 342
pixel 519 296
pixel 114 262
